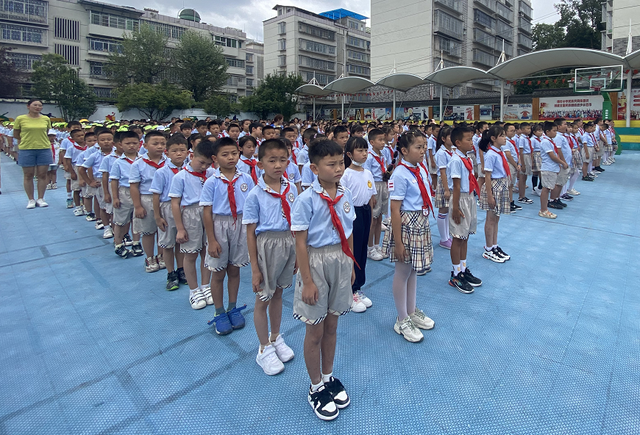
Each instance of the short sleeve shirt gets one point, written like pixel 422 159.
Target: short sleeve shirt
pixel 547 163
pixel 142 173
pixel 161 182
pixel 493 163
pixel 120 171
pixel 188 187
pixel 361 185
pixel 403 186
pixel 215 193
pixel 265 210
pixel 456 169
pixel 33 132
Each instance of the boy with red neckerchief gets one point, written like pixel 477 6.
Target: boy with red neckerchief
pixel 379 166
pixel 72 159
pixel 177 152
pixel 121 195
pixel 511 151
pixel 552 162
pixel 322 219
pixel 140 179
pixel 223 196
pixel 185 191
pixel 247 163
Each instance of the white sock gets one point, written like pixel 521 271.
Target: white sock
pixel 326 378
pixel 564 190
pixel 494 246
pixel 442 222
pixel 456 269
pixel 487 248
pixel 316 387
pixel 447 224
pixel 193 291
pixel 69 195
pixel 463 265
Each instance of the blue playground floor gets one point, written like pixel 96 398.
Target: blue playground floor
pixel 90 344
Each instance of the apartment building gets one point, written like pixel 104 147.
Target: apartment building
pixel 620 18
pixel 323 46
pixel 255 64
pixel 86 31
pixel 414 37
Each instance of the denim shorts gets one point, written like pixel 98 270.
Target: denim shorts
pixel 31 158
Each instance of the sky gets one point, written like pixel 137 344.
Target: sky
pixel 248 15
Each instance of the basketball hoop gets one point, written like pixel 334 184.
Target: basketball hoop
pixel 596 89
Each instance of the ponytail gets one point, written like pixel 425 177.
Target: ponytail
pixel 494 131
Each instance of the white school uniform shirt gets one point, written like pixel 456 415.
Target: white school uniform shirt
pixel 188 187
pixel 547 163
pixel 590 139
pixel 55 150
pixel 265 210
pixel 142 173
pixel 293 173
pixel 442 158
pixel 372 165
pixel 510 145
pixel 94 161
pixel 311 213
pixel 107 162
pixel 303 155
pixel 476 144
pixel 525 144
pixel 403 186
pixel 535 141
pixel 161 182
pixel 120 170
pixel 307 175
pixel 563 143
pixel 246 168
pixel 431 144
pixel 387 151
pixel 66 143
pixel 457 169
pixel 361 184
pixel 74 153
pixel 214 192
pixel 609 136
pixel 493 163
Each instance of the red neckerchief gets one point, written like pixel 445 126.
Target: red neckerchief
pixel 154 164
pixel 53 151
pixel 505 164
pixel 175 170
pixel 294 158
pixel 431 189
pixel 446 150
pixel 252 163
pixel 473 183
pixel 581 131
pixel 530 147
pixel 555 148
pixel 569 138
pixel 79 148
pixel 338 225
pixel 231 194
pixel 426 201
pixel 593 137
pixel 515 147
pixel 380 162
pixel 127 159
pixel 286 208
pixel 202 175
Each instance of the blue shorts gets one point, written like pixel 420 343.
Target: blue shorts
pixel 31 158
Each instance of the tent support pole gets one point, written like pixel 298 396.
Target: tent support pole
pixel 628 91
pixel 441 108
pixel 501 100
pixel 313 114
pixel 342 116
pixel 393 115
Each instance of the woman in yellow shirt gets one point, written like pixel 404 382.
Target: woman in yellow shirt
pixel 34 150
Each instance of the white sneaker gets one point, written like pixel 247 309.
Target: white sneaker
pixel 31 204
pixel 383 227
pixel 284 352
pixel 536 191
pixel 573 192
pixel 356 305
pixel 421 320
pixel 206 292
pixel 150 265
pixel 269 361
pixel 161 263
pixel 373 254
pixel 197 300
pixel 48 186
pixel 387 221
pixel 379 249
pixel 108 233
pixel 364 299
pixel 78 211
pixel 408 330
pixel 41 203
pixel 54 186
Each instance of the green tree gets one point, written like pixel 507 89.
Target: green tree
pixel 155 101
pixel 199 64
pixel 54 80
pixel 276 94
pixel 221 105
pixel 10 75
pixel 143 58
pixel 546 36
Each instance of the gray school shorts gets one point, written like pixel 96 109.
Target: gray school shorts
pixel 382 199
pixel 89 192
pixel 331 273
pixel 549 179
pixel 586 159
pixel 563 176
pixel 194 226
pixel 167 239
pixel 276 261
pixel 106 206
pixel 232 238
pixel 469 223
pixel 123 215
pixel 146 225
pixel 525 165
pixel 75 184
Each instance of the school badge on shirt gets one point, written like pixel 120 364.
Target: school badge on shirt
pixel 346 207
pixel 290 197
pixel 369 184
pixel 244 187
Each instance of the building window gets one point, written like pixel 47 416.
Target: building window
pixel 282 60
pixel 356 42
pixel 282 44
pixel 235 81
pixel 106 93
pixel 23 34
pixel 235 63
pixel 97 70
pixel 115 21
pixel 504 31
pixel 69 52
pixel 22 61
pixel 323 79
pixel 248 93
pixel 249 69
pixel 104 45
pixel 67 29
pixel 282 28
pixel 484 38
pixel 448 46
pixel 317 32
pixel 314 63
pixel 483 57
pixel 227 42
pixel 357 55
pixel 447 24
pixel 358 69
pixel 524 40
pixel 169 31
pixel 249 57
pixel 316 47
pixel 32 11
pixel 249 83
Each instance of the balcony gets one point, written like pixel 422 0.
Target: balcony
pixel 453 5
pixel 489 4
pixel 524 25
pixel 524 41
pixel 484 38
pixel 483 58
pixel 526 10
pixel 447 25
pixel 504 12
pixel 26 11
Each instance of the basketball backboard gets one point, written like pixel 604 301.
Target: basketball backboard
pixel 598 79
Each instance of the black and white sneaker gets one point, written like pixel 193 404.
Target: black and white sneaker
pixel 474 281
pixel 501 253
pixel 459 282
pixel 553 204
pixel 525 200
pixel 323 404
pixel 182 278
pixel 136 250
pixel 560 203
pixel 122 251
pixel 127 240
pixel 567 197
pixel 337 391
pixel 493 256
pixel 515 207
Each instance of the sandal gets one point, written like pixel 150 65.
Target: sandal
pixel 547 214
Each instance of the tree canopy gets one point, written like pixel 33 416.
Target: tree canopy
pixel 155 101
pixel 10 76
pixel 54 80
pixel 276 94
pixel 579 26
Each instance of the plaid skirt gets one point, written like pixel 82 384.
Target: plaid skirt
pixel 608 148
pixel 500 190
pixel 536 164
pixel 416 238
pixel 441 201
pixel 576 158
